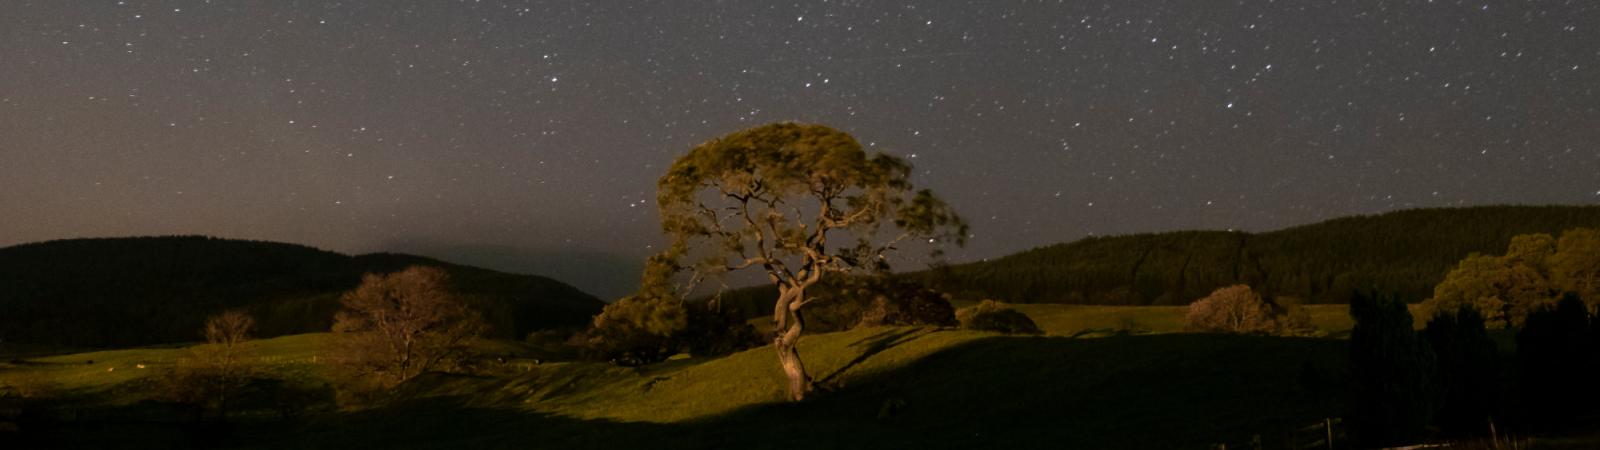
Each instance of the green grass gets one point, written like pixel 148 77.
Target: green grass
pixel 942 388
pixel 686 390
pixel 127 376
pixel 946 388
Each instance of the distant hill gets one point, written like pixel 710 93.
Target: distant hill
pixel 1403 253
pixel 133 291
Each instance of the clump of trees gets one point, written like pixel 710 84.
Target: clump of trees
pixel 990 315
pixel 657 323
pixel 637 330
pixel 1558 354
pixel 213 373
pixel 396 326
pixel 1557 345
pixel 715 329
pixel 1238 309
pixel 850 302
pixel 800 202
pixel 1535 270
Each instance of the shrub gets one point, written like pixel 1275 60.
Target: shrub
pixel 877 301
pixel 646 329
pixel 900 302
pixel 836 309
pixel 990 315
pixel 636 330
pixel 1237 309
pixel 711 331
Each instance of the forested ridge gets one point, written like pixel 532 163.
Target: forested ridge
pixel 1403 253
pixel 113 292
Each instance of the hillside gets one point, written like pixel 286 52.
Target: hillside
pixel 1403 253
pixel 119 292
pixel 949 388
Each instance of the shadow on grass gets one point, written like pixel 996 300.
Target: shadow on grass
pixel 873 345
pixel 1156 391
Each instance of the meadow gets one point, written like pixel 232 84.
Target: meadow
pixel 878 386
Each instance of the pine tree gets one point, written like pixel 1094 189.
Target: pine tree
pixel 1392 396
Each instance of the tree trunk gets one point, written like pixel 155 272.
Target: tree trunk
pixel 787 327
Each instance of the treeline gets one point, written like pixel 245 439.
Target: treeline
pixel 1403 254
pixel 135 291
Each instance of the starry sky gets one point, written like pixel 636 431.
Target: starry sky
pixel 528 135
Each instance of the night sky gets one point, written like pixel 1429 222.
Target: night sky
pixel 528 136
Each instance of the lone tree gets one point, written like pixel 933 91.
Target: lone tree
pixel 229 330
pixel 1237 309
pixel 396 326
pixel 770 196
pixel 213 372
pixel 1233 309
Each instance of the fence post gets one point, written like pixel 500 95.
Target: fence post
pixel 1327 424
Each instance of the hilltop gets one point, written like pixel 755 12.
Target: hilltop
pixel 119 292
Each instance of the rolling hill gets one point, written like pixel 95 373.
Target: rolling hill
pixel 1402 253
pixel 879 387
pixel 118 292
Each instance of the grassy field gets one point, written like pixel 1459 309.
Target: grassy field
pixel 877 387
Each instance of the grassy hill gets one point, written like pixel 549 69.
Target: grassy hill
pixel 890 387
pixel 1402 253
pixel 122 292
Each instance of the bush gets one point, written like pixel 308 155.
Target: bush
pixel 991 315
pixel 646 329
pixel 636 330
pixel 714 332
pixel 1237 309
pixel 902 302
pixel 846 303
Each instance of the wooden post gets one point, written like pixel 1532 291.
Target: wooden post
pixel 1327 423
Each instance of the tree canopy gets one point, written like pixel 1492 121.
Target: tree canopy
pixel 770 196
pixel 394 327
pixel 1535 270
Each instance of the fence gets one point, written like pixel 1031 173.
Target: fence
pixel 1327 434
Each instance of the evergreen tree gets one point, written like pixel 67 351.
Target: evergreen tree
pixel 1468 371
pixel 1392 396
pixel 1556 363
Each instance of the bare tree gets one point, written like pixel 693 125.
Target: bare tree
pixel 396 326
pixel 1233 309
pixel 769 197
pixel 230 329
pixel 212 372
